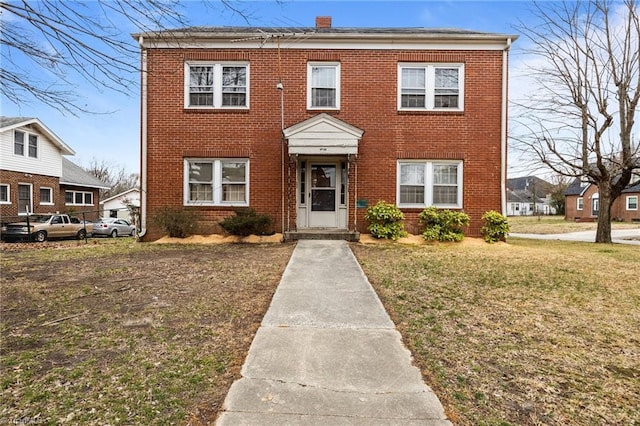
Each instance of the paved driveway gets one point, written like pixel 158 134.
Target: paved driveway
pixel 619 236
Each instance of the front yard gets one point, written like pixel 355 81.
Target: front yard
pixel 525 333
pixel 113 332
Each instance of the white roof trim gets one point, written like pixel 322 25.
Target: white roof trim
pixel 120 195
pixel 64 148
pixel 323 135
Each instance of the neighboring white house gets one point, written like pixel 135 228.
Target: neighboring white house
pixel 118 205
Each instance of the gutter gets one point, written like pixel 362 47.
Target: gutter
pixel 143 139
pixel 503 128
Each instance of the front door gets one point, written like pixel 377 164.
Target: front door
pixel 322 195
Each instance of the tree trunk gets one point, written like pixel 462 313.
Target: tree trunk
pixel 603 233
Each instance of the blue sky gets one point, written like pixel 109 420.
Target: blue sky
pixel 114 137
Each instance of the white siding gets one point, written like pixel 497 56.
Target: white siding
pixel 48 163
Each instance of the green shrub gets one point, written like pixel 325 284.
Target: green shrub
pixel 176 221
pixel 386 221
pixel 443 225
pixel 495 228
pixel 247 222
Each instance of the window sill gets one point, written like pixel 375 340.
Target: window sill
pixel 212 110
pixel 430 112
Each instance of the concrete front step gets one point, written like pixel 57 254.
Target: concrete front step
pixel 322 234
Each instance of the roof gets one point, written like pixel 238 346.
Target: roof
pixel 635 187
pixel 522 196
pixel 73 174
pixel 530 182
pixel 234 33
pixel 128 191
pixel 577 187
pixel 10 123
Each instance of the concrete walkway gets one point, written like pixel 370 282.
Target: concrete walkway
pixel 327 353
pixel 618 236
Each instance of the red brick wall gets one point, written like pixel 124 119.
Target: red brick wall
pixel 368 101
pixel 10 211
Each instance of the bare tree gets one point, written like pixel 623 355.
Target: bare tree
pixel 115 176
pixel 579 117
pixel 50 45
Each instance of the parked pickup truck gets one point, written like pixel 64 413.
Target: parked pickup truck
pixel 41 227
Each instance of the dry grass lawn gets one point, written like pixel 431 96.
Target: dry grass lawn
pixel 524 333
pixel 114 332
pixel 557 225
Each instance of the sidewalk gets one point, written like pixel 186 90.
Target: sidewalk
pixel 618 236
pixel 327 353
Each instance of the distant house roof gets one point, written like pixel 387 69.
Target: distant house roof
pixel 635 187
pixel 9 123
pixel 522 196
pixel 73 174
pixel 128 191
pixel 540 185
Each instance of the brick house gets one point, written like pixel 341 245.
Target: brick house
pixel 310 126
pixel 35 176
pixel 582 203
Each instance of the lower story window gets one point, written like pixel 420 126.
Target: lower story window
pixel 78 198
pixel 632 202
pixel 216 181
pixel 423 183
pixel 4 194
pixel 46 195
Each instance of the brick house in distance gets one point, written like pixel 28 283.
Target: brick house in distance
pixel 36 177
pixel 312 125
pixel 582 202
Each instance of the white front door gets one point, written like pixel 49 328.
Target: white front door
pixel 323 182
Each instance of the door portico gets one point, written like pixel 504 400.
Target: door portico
pixel 323 147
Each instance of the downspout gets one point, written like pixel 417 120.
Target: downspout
pixel 285 164
pixel 503 128
pixel 143 139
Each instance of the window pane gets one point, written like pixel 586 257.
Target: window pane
pixel 234 86
pixel 200 192
pixel 323 97
pixel 233 172
pixel 18 146
pixel 45 195
pixel 88 198
pixel 201 86
pixel 68 197
pixel 323 77
pixel 33 146
pixel 78 198
pixel 445 195
pixel 233 192
pixel 446 88
pixel 445 174
pixel 4 193
pixel 201 172
pixel 412 174
pixel 632 203
pixel 323 176
pixel 413 78
pixel 411 194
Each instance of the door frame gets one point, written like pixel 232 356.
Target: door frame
pixel 303 201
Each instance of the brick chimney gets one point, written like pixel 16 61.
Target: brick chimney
pixel 323 21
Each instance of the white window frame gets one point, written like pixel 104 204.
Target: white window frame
pixel 629 198
pixel 8 187
pixel 21 213
pixel 47 203
pixel 84 198
pixel 430 85
pixel 580 204
pixel 217 84
pixel 216 182
pixel 428 184
pixel 317 64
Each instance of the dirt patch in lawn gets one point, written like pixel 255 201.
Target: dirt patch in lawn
pixel 114 332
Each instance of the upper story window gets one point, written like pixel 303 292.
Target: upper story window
pixel 216 182
pixel 216 85
pixel 78 198
pixel 423 183
pixel 20 139
pixel 431 87
pixel 323 85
